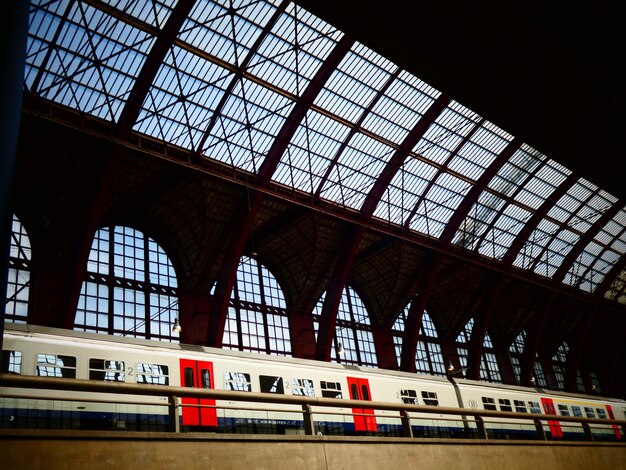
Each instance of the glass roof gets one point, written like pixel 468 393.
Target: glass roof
pixel 235 70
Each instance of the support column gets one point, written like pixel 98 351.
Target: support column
pixel 302 332
pixel 385 348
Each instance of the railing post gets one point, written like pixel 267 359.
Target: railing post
pixel 480 427
pixel 309 424
pixel 588 433
pixel 407 431
pixel 541 432
pixel 173 413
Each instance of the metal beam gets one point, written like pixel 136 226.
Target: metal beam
pixel 162 44
pixel 582 277
pixel 533 222
pixel 583 241
pixel 533 336
pixel 245 215
pixel 474 193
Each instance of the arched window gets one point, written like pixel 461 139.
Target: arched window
pixel 489 369
pixel 130 288
pixel 428 356
pixel 558 364
pixel 18 279
pixel 354 343
pixel 516 350
pixel 257 320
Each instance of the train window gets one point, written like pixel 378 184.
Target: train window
pixel 576 411
pixel 302 387
pixel 237 381
pixel 589 412
pixel 52 365
pixel 205 378
pixel 430 399
pixel 110 371
pixel 331 389
pixel 520 406
pixel 271 384
pixel 563 410
pixel 534 407
pixel 188 376
pixel 154 374
pixel 601 413
pixel 505 404
pixel 12 362
pixel 489 404
pixel 409 397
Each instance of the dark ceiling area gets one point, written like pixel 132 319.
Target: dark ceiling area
pixel 547 73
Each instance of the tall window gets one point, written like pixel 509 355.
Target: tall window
pixel 257 320
pixel 516 350
pixel 353 341
pixel 18 279
pixel 130 289
pixel 489 369
pixel 558 363
pixel 428 356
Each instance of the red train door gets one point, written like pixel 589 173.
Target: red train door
pixel 360 390
pixel 555 427
pixel 197 374
pixel 618 434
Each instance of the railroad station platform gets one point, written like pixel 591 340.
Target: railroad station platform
pixel 46 449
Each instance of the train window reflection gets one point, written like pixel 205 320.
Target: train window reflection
pixel 505 404
pixel 12 362
pixel 110 371
pixel 520 406
pixel 237 381
pixel 155 374
pixel 489 404
pixel 302 387
pixel 331 389
pixel 563 410
pixel 271 384
pixel 534 407
pixel 409 397
pixel 430 398
pixel 52 365
pixel 205 376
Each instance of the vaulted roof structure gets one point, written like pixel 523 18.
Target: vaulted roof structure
pixel 227 128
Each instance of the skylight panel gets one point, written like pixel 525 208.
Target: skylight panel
pixel 550 260
pixel 516 172
pixel 152 12
pixel 296 48
pixel 404 191
pixel 542 185
pixel 504 231
pixel 356 171
pixel 94 63
pixel 224 32
pixel 533 247
pixel 478 220
pixel 616 290
pixel 310 152
pixel 182 98
pixel 355 83
pixel 245 130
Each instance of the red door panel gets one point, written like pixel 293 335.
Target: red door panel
pixel 618 434
pixel 197 374
pixel 364 419
pixel 555 426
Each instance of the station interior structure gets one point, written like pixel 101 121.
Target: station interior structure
pixel 408 189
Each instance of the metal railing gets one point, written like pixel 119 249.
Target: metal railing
pixel 406 414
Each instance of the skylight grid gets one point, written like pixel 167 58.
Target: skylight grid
pixel 616 290
pixel 444 135
pixel 439 205
pixel 309 153
pixel 93 64
pixel 248 125
pixel 514 173
pixel 404 190
pixel 542 185
pixel 291 55
pixel 590 267
pixel 226 31
pixel 478 220
pixel 504 231
pixel 182 98
pixel 356 171
pixel 152 12
pixel 535 244
pixel 354 84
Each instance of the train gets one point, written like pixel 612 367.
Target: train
pixel 50 352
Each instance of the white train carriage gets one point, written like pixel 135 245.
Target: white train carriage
pixel 49 352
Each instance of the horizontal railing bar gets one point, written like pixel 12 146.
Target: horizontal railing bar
pixel 82 385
